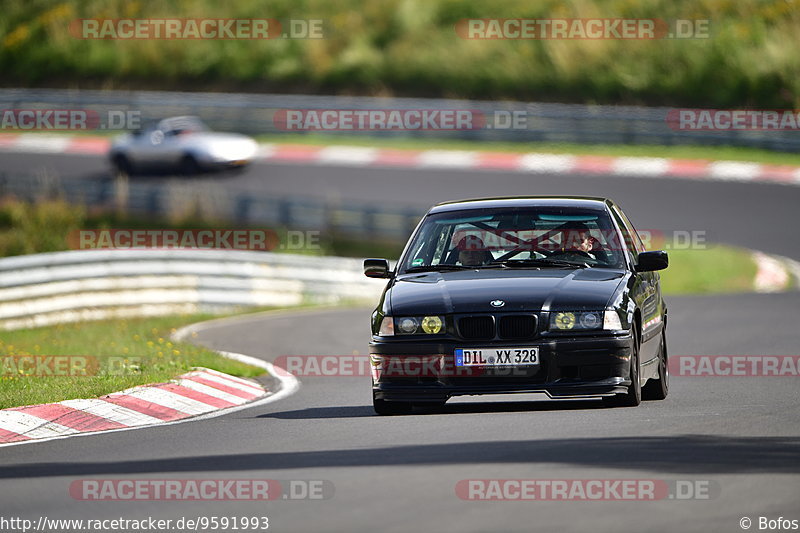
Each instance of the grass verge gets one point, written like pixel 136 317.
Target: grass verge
pixel 717 269
pixel 122 354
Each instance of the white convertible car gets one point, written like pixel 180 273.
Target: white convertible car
pixel 182 144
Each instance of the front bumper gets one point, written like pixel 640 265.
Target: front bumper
pixel 573 367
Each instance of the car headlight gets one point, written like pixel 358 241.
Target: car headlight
pixel 406 325
pixel 412 325
pixel 582 320
pixel 387 327
pixel 432 324
pixel 611 320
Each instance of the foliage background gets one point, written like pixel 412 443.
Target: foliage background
pixel 409 47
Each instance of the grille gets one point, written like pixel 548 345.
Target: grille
pixel 476 327
pixel 516 326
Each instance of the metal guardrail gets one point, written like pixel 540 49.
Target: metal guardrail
pixel 42 289
pixel 254 114
pixel 176 199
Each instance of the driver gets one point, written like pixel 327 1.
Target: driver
pixel 579 239
pixel 472 251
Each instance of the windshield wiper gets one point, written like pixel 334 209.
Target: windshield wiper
pixel 435 268
pixel 544 263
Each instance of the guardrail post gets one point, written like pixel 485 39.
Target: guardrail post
pixel 153 201
pixel 285 212
pixel 121 192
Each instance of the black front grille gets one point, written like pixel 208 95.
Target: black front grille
pixel 516 326
pixel 476 327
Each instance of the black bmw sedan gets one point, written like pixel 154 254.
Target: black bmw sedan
pixel 552 295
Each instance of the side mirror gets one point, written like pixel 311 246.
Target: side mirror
pixel 377 268
pixel 650 261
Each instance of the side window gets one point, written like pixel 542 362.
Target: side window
pixel 636 238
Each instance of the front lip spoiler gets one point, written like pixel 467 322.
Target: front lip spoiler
pixel 554 390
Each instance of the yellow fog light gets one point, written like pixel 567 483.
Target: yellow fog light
pixel 564 320
pixel 432 324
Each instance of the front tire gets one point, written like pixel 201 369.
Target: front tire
pixel 633 396
pixel 189 166
pixel 122 165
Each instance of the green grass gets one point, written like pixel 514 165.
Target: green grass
pixel 728 153
pixel 717 269
pixel 129 352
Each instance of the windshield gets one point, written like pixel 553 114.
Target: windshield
pixel 533 237
pixel 178 125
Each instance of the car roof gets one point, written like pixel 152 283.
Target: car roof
pixel 581 202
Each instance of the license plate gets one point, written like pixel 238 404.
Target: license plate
pixel 497 356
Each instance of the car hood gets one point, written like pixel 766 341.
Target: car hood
pixel 471 291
